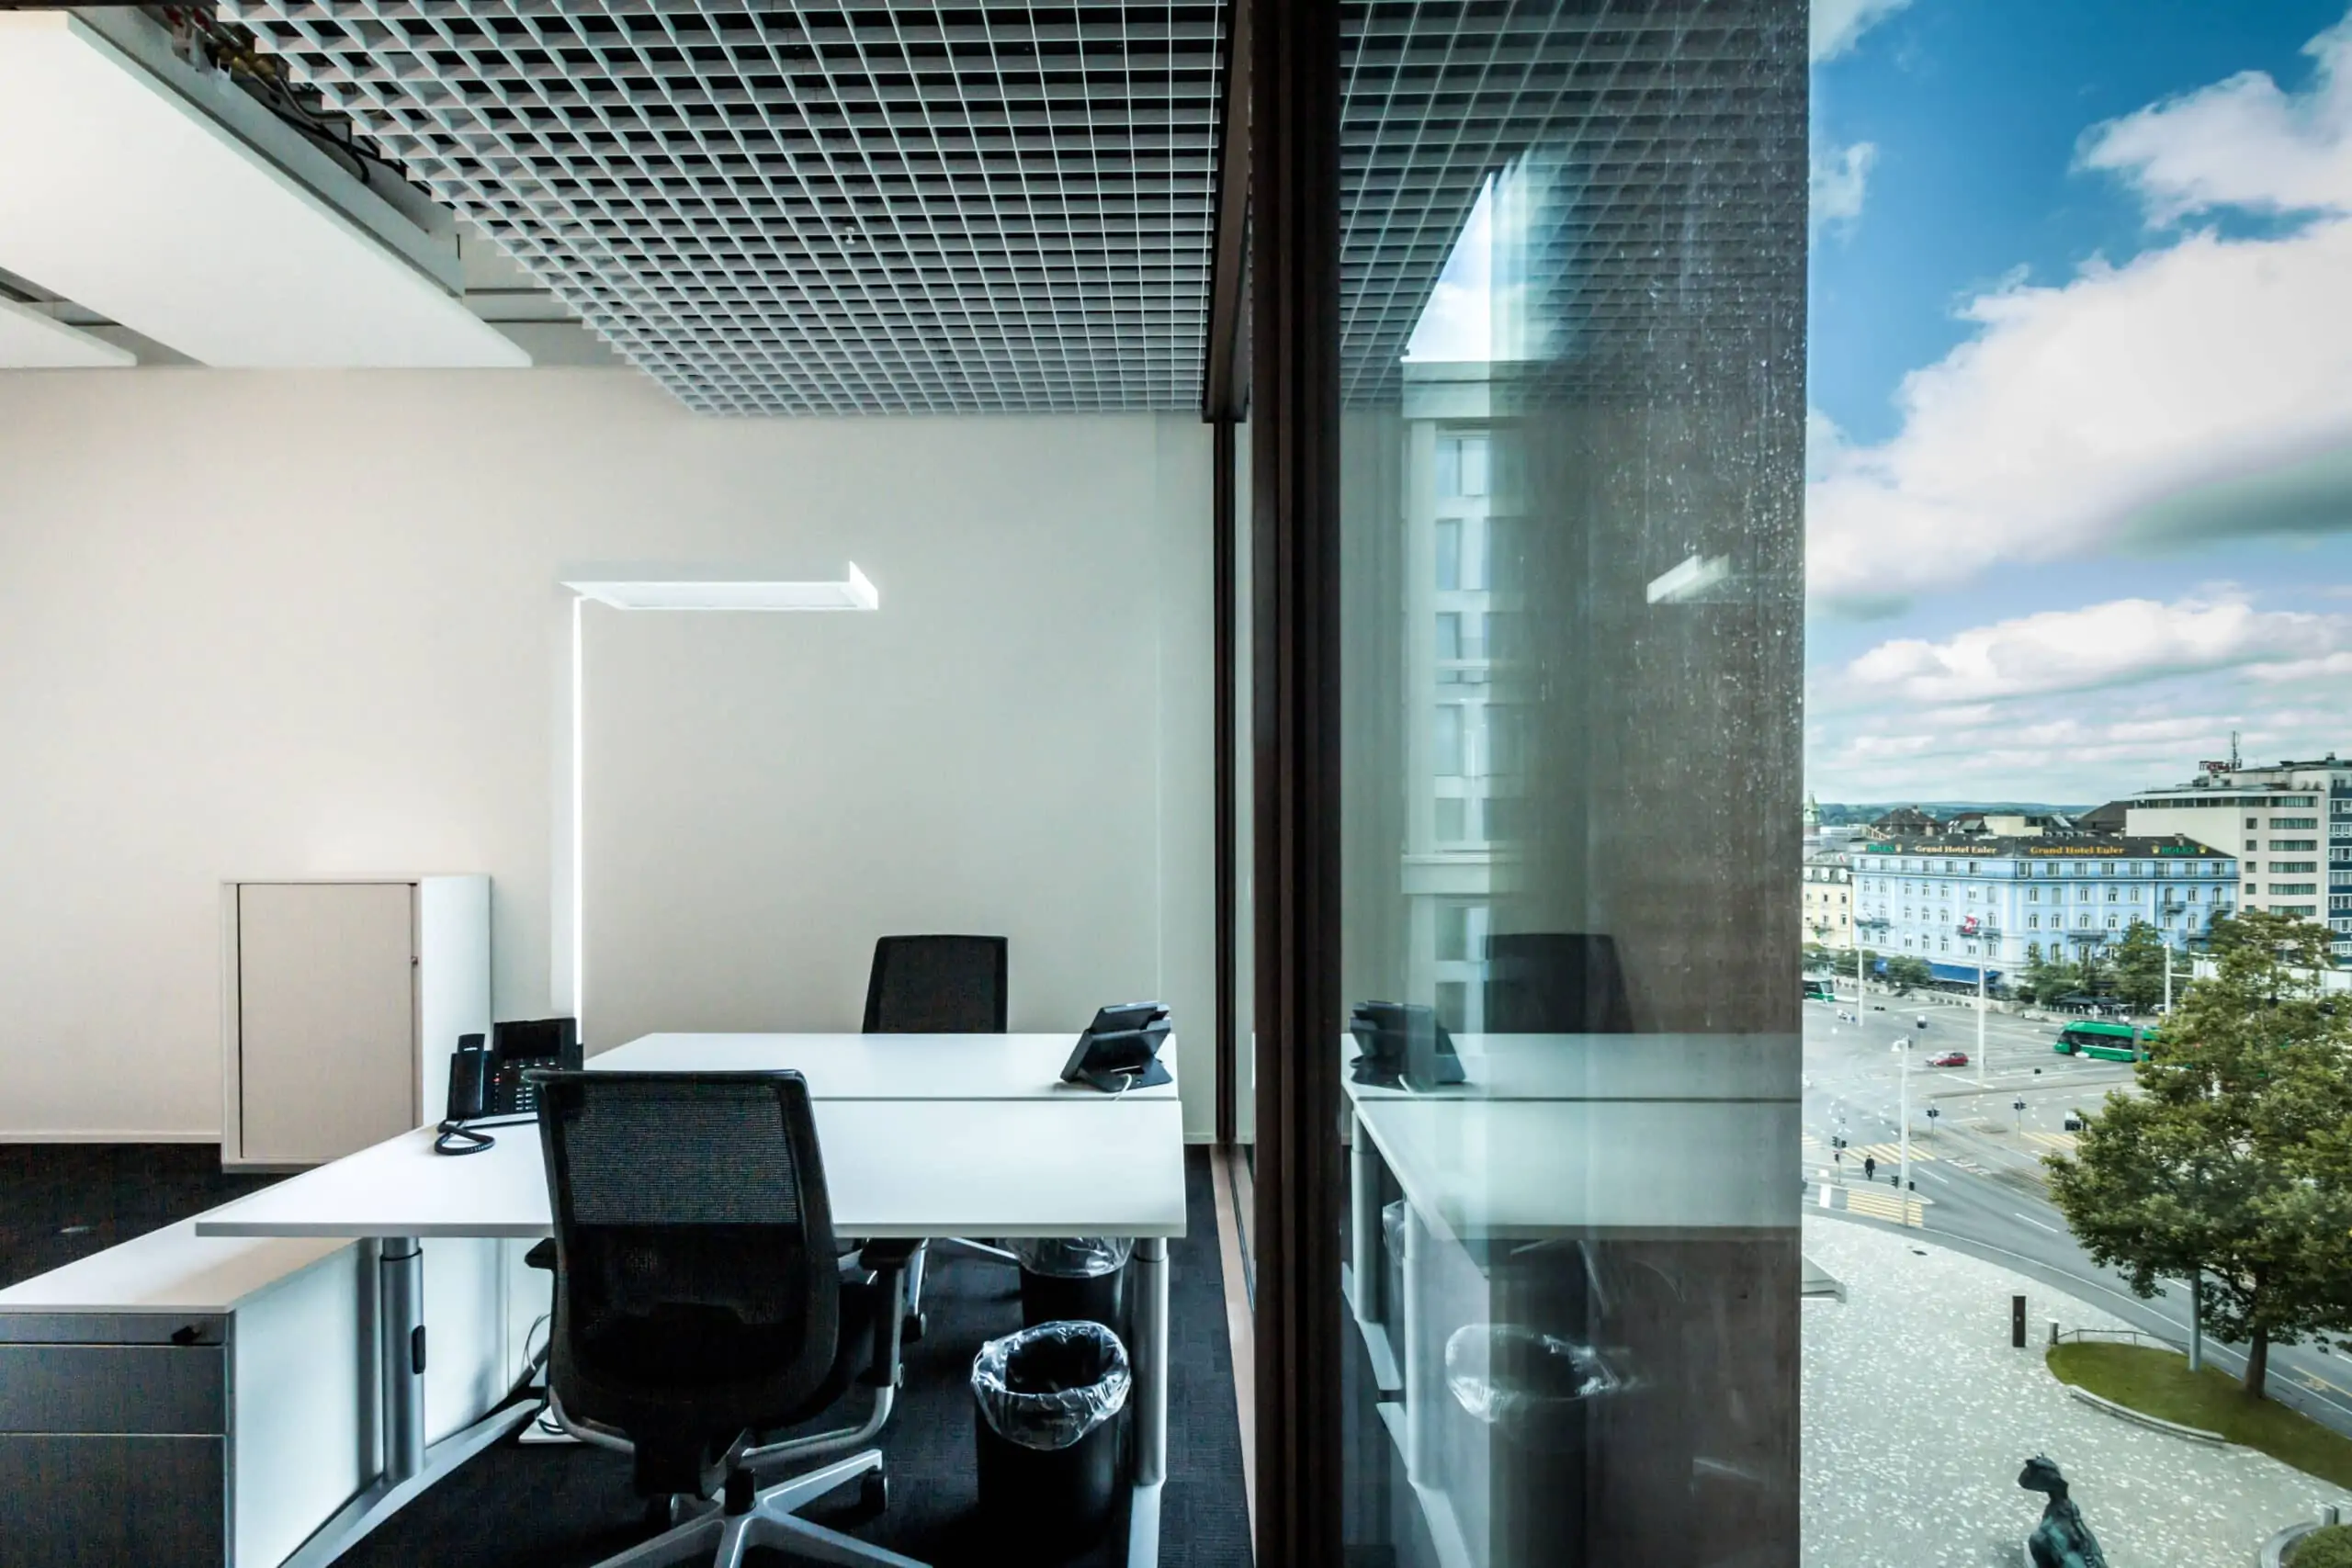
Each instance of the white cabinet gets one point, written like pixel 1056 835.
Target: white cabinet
pixel 341 1002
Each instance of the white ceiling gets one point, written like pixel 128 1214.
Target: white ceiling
pixel 118 194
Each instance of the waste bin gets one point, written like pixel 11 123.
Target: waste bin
pixel 1534 1393
pixel 1073 1279
pixel 1045 1398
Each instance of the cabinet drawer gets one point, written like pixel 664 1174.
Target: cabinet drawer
pixel 112 1502
pixel 125 1389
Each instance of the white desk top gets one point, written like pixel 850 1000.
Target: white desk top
pixel 893 1168
pixel 885 1066
pixel 1609 1066
pixel 1544 1167
pixel 171 1270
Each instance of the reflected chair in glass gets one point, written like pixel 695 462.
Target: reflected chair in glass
pixel 938 984
pixel 699 1307
pixel 1556 983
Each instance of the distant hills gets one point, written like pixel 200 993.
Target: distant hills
pixel 1844 814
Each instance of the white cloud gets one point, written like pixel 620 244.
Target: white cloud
pixel 2241 142
pixel 1839 24
pixel 1841 181
pixel 2119 643
pixel 2151 396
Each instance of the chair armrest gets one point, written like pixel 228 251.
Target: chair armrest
pixel 541 1256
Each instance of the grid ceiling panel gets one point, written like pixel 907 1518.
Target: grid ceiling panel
pixel 805 208
pixel 1674 132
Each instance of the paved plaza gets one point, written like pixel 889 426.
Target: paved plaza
pixel 1918 1416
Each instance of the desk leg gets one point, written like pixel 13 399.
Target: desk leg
pixel 399 1314
pixel 410 1466
pixel 1151 1361
pixel 1364 1226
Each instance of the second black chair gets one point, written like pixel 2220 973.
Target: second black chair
pixel 938 984
pixel 699 1305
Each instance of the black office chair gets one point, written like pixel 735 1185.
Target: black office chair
pixel 1556 983
pixel 698 1305
pixel 938 984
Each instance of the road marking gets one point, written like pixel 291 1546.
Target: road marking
pixel 2029 1219
pixel 1886 1206
pixel 2063 1142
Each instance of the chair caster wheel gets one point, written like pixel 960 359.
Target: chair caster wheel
pixel 911 1326
pixel 873 1493
pixel 661 1512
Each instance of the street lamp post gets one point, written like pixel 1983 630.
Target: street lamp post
pixel 1979 1013
pixel 1904 1046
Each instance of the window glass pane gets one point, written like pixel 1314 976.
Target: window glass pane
pixel 1611 353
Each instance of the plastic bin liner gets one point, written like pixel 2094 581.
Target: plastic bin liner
pixel 1072 1256
pixel 1529 1386
pixel 1392 1227
pixel 1048 1387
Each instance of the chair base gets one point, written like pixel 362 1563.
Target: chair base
pixel 772 1521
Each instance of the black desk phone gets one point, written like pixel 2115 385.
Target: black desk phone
pixel 1120 1049
pixel 1404 1046
pixel 486 1082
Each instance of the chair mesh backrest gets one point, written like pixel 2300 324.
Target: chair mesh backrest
pixel 695 1244
pixel 937 985
pixel 1556 983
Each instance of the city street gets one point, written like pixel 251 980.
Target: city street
pixel 1975 1165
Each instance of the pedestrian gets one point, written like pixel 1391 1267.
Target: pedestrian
pixel 1870 1168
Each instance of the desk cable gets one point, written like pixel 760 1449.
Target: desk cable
pixel 455 1137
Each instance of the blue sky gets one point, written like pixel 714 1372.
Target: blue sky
pixel 2081 381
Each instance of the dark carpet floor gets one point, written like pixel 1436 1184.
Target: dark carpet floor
pixel 534 1506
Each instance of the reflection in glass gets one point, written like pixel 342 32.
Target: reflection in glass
pixel 1572 454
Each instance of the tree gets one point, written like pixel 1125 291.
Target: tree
pixel 2043 980
pixel 2232 1164
pixel 2094 975
pixel 2139 968
pixel 1904 971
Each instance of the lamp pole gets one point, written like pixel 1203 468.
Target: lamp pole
pixel 1904 1046
pixel 1980 1012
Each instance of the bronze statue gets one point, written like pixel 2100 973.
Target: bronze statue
pixel 2062 1539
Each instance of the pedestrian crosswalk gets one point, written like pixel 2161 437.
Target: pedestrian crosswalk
pixel 1888 1206
pixel 2057 1142
pixel 1817 1152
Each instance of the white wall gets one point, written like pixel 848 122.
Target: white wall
pixel 274 623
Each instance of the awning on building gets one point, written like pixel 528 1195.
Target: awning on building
pixel 1961 973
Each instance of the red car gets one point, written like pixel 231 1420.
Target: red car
pixel 1949 1059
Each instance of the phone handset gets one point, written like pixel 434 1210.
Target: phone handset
pixel 468 1091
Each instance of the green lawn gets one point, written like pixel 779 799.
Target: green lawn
pixel 2329 1548
pixel 2157 1382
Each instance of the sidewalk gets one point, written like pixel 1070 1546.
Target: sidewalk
pixel 1918 1416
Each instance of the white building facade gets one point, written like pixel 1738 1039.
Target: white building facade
pixel 1965 903
pixel 2290 826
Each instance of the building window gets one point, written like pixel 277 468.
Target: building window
pixel 2083 923
pixel 2033 922
pixel 1462 465
pixel 1451 828
pixel 1448 740
pixel 1449 554
pixel 2291 866
pixel 2291 889
pixel 1943 944
pixel 2278 823
pixel 2110 923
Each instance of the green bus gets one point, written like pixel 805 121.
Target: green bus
pixel 1819 991
pixel 2108 1042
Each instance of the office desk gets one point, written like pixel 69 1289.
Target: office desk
pixel 885 1066
pixel 1047 1165
pixel 1559 1161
